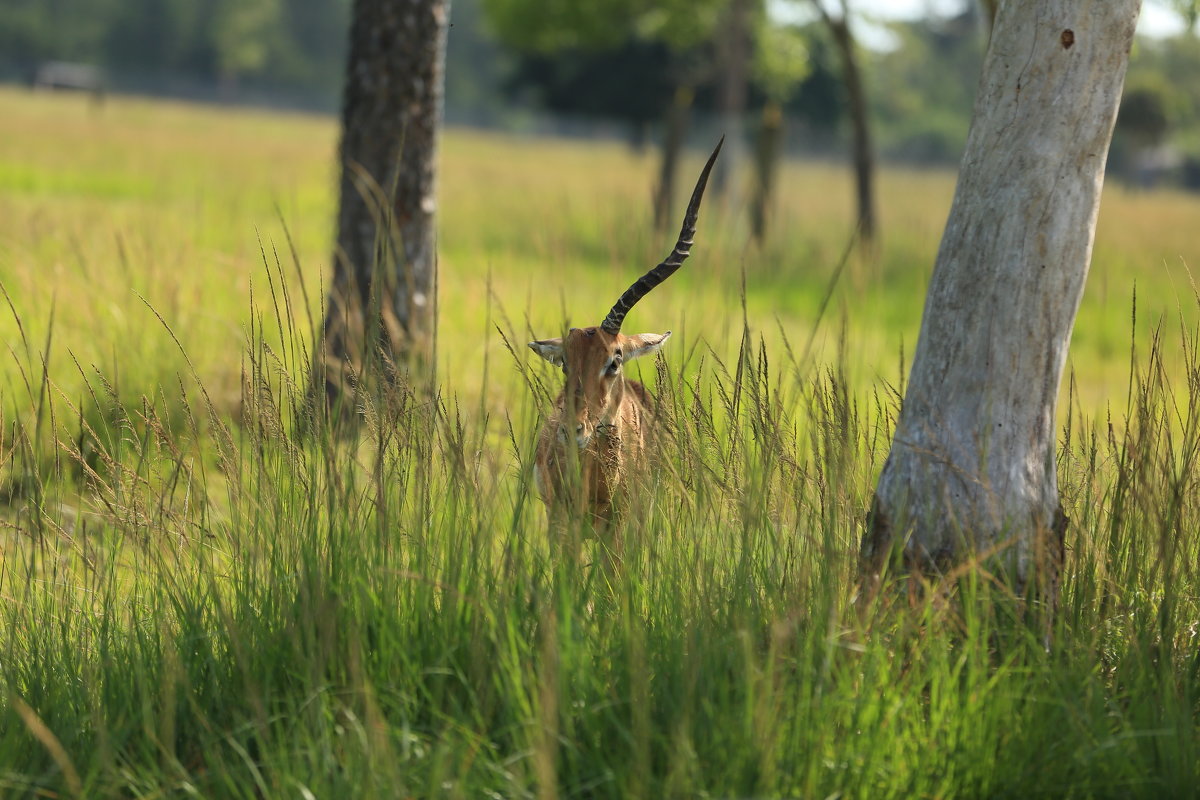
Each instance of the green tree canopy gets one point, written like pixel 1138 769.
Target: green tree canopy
pixel 549 26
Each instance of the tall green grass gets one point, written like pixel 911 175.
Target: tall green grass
pixel 201 596
pixel 238 610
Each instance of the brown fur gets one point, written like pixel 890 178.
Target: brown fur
pixel 598 430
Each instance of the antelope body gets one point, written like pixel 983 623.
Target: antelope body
pixel 601 421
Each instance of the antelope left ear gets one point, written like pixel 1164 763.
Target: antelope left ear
pixel 644 344
pixel 549 349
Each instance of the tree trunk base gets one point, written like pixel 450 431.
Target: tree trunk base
pixel 356 363
pixel 1037 586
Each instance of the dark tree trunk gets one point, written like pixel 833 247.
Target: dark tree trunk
pixel 856 98
pixel 766 162
pixel 383 296
pixel 676 133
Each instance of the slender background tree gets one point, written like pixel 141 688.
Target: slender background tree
pixel 781 62
pixel 634 61
pixel 733 41
pixel 863 152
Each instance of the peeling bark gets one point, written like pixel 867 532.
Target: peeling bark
pixel 972 465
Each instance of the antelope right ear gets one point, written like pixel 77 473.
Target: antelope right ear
pixel 644 344
pixel 549 349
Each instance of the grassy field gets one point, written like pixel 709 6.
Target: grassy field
pixel 197 601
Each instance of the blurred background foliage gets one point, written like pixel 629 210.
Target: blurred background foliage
pixel 608 67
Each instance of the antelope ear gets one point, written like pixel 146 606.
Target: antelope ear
pixel 644 344
pixel 549 349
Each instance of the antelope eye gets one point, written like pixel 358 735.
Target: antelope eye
pixel 614 366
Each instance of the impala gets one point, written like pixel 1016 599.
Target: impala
pixel 601 420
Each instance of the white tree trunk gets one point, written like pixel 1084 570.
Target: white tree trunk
pixel 972 465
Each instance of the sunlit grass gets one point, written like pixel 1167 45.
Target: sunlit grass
pixel 196 599
pixel 174 202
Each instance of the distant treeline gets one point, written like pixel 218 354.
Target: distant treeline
pixel 289 52
pixel 292 52
pixel 296 44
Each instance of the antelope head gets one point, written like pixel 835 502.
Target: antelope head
pixel 593 358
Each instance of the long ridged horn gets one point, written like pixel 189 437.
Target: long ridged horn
pixel 683 248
